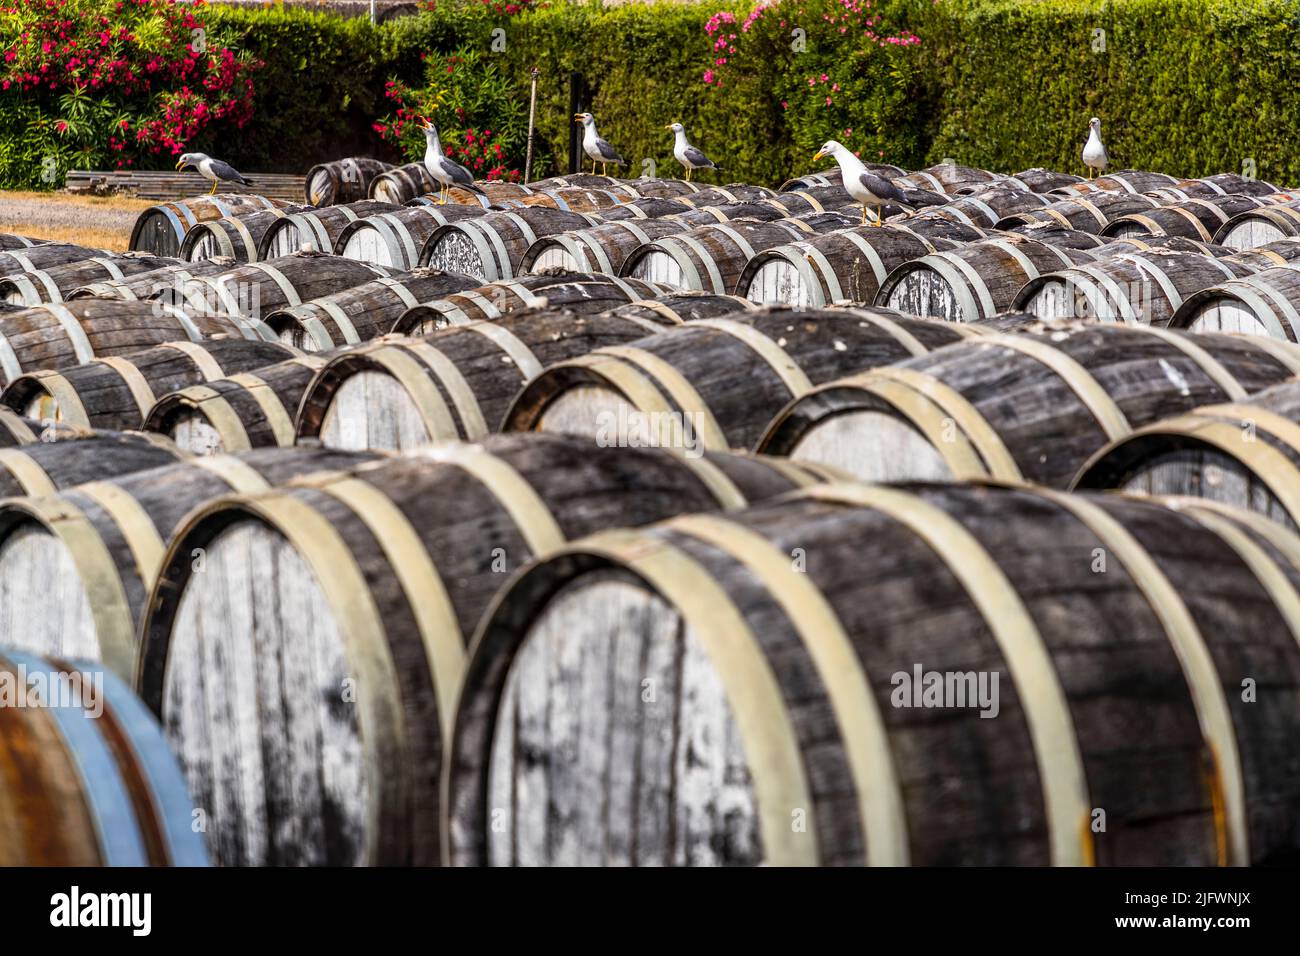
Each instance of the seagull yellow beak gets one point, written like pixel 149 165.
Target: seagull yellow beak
pixel 179 164
pixel 667 127
pixel 577 117
pixel 818 155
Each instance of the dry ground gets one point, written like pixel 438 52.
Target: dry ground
pixel 103 222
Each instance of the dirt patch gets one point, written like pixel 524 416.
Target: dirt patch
pixel 103 222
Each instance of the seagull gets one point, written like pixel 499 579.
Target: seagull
pixel 872 190
pixel 447 172
pixel 688 155
pixel 1094 153
pixel 214 169
pixel 599 150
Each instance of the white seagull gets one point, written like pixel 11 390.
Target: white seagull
pixel 1094 153
pixel 688 155
pixel 595 147
pixel 446 172
pixel 214 169
pixel 870 189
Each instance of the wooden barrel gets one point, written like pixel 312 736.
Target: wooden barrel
pixel 948 178
pixel 1132 181
pixel 237 238
pixel 402 183
pixel 379 583
pixel 342 181
pixel 1054 234
pixel 493 246
pixel 396 238
pixel 457 383
pixel 986 207
pixel 674 308
pixel 679 387
pixel 567 200
pixel 1029 406
pixel 249 410
pixel 1255 227
pixel 665 187
pixel 316 229
pixel 118 392
pixel 256 289
pixel 16 430
pixel 1041 180
pixel 1088 213
pixel 57 283
pixel 76 567
pixel 832 177
pixel 148 285
pixel 1245 454
pixel 799 712
pixel 9 240
pixel 975 281
pixel 1112 247
pixel 161 229
pixel 1138 287
pixel 1199 218
pixel 45 467
pixel 766 210
pixel 1220 184
pixel 581 292
pixel 1276 253
pixel 649 208
pixel 718 195
pixel 832 197
pixel 363 312
pixel 602 248
pixel 88 779
pixel 47 256
pixel 844 265
pixel 61 335
pixel 1265 303
pixel 711 258
pixel 493 191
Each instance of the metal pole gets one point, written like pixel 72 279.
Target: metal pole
pixel 532 118
pixel 575 106
pixel 372 11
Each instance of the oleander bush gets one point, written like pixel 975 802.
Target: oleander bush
pixel 1185 86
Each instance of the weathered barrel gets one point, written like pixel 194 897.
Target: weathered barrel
pixel 836 708
pixel 581 292
pixel 161 229
pixel 847 264
pixel 493 191
pixel 86 776
pixel 732 193
pixel 601 248
pixel 1245 454
pixel 249 410
pixel 45 467
pixel 316 229
pixel 9 240
pixel 679 387
pixel 492 247
pixel 381 574
pixel 147 285
pixel 47 256
pixel 342 181
pixel 656 188
pixel 257 289
pixel 1199 218
pixel 764 209
pixel 1220 184
pixel 649 208
pixel 1138 287
pixel 16 430
pixel 237 238
pixel 1040 180
pixel 1132 181
pixel 396 238
pixel 1170 243
pixel 60 335
pixel 975 281
pixel 1054 234
pixel 948 178
pixel 402 183
pixel 76 567
pixel 1029 406
pixel 118 392
pixel 587 200
pixel 1265 303
pixel 711 258
pixel 57 283
pixel 675 308
pixel 1279 252
pixel 1256 227
pixel 1088 213
pixel 986 207
pixel 363 312
pixel 457 383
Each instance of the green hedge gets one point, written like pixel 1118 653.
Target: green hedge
pixel 1189 87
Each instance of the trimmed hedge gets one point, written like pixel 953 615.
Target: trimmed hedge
pixel 1188 87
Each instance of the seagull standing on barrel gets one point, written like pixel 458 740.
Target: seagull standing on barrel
pixel 870 189
pixel 688 155
pixel 1094 153
pixel 595 147
pixel 214 169
pixel 446 172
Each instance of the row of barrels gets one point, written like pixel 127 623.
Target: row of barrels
pixel 742 608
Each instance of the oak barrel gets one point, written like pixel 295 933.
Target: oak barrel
pixel 493 246
pixel 397 238
pixel 342 181
pixel 46 256
pixel 316 229
pixel 148 285
pixel 50 465
pixel 57 283
pixel 402 183
pixel 1090 213
pixel 600 248
pixel 161 229
pixel 1264 303
pixel 1198 218
pixel 1256 227
pixel 238 238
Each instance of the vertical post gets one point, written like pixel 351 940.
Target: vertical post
pixel 575 106
pixel 373 16
pixel 532 119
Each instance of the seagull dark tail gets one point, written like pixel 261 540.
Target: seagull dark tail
pixel 924 197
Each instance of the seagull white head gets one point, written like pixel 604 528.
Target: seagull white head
pixel 190 159
pixel 586 119
pixel 830 148
pixel 676 127
pixel 1094 124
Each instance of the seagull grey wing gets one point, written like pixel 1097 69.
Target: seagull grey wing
pixel 882 188
pixel 609 154
pixel 924 197
pixel 697 158
pixel 457 173
pixel 226 172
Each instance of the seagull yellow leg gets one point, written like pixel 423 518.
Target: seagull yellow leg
pixel 688 174
pixel 213 190
pixel 864 214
